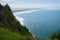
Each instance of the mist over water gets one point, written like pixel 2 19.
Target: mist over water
pixel 41 23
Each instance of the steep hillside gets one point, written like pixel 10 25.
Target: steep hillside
pixel 15 31
pixel 7 20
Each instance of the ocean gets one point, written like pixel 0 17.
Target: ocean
pixel 42 23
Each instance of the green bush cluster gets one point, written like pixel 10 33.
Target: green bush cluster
pixel 56 36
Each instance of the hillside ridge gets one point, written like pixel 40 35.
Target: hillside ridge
pixel 10 23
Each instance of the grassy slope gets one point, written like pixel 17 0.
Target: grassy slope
pixel 8 35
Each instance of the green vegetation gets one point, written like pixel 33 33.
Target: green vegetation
pixel 7 20
pixel 8 35
pixel 56 36
pixel 10 28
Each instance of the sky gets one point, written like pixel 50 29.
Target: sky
pixel 50 4
pixel 32 3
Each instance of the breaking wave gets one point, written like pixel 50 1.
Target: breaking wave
pixel 20 19
pixel 17 13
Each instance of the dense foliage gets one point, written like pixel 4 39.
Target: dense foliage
pixel 56 36
pixel 7 20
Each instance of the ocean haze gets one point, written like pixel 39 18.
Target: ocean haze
pixel 42 23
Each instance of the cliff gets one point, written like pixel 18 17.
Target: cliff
pixel 10 26
pixel 7 20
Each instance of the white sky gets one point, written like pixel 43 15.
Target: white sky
pixel 32 3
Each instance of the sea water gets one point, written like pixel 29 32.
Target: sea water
pixel 42 23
